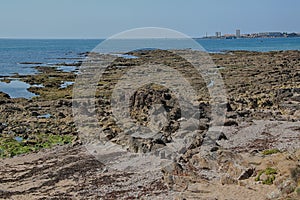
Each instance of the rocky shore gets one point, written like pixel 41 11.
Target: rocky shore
pixel 256 156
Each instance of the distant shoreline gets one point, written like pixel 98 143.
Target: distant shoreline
pixel 224 36
pixel 217 38
pixel 253 35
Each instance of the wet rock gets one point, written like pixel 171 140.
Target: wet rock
pixel 2 126
pixel 63 102
pixel 246 174
pixel 35 114
pixel 4 96
pixel 204 110
pixel 31 63
pixel 213 149
pixel 244 113
pixel 157 102
pixel 230 123
pixel 61 115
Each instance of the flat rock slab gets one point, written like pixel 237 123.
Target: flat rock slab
pixel 70 172
pixel 261 135
pixel 67 172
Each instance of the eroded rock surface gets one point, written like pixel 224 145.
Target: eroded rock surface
pixel 258 145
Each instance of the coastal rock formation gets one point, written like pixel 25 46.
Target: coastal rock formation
pixel 255 156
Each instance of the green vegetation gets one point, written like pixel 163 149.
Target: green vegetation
pixel 270 172
pixel 10 147
pixel 269 180
pixel 51 80
pixel 270 151
pixel 52 93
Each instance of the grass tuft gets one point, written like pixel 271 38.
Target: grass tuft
pixel 270 172
pixel 10 147
pixel 270 151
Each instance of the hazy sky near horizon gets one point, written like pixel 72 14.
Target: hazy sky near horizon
pixel 103 18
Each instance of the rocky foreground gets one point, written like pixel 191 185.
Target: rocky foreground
pixel 256 156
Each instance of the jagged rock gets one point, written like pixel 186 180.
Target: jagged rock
pixel 251 80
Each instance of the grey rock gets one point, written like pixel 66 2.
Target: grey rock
pixel 216 135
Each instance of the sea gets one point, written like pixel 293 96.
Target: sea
pixel 20 56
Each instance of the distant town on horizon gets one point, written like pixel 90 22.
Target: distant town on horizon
pixel 218 35
pixel 251 35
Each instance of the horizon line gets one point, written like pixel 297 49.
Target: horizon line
pixel 104 38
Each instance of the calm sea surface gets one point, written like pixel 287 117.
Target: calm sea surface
pixel 22 55
pixel 14 52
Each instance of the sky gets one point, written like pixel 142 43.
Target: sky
pixel 104 18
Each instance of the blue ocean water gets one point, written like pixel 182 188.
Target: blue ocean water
pixel 251 44
pixel 17 54
pixel 14 52
pixel 16 89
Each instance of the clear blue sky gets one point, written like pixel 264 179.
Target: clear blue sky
pixel 103 18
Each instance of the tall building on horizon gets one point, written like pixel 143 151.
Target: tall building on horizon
pixel 238 33
pixel 218 34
